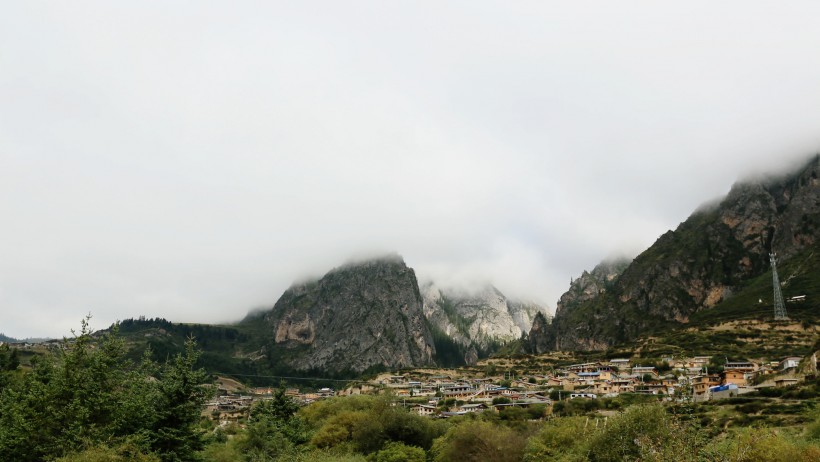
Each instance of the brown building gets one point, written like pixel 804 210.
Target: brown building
pixel 734 377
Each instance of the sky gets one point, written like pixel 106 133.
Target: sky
pixel 190 160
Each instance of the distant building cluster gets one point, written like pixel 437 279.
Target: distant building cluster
pixel 452 395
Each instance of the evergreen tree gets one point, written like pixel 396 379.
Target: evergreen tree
pixel 89 395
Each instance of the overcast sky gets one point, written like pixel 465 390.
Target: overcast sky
pixel 189 160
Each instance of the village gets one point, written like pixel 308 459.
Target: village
pixel 435 393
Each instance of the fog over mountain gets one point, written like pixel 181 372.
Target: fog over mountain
pixel 191 160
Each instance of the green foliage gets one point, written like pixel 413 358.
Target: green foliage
pixel 761 445
pixel 367 423
pixel 559 440
pixel 475 441
pixel 101 453
pixel 449 353
pixel 280 408
pixel 9 360
pixel 398 452
pixel 646 432
pixel 274 429
pixel 89 394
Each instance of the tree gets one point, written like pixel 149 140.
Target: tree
pixel 274 429
pixel 181 399
pixel 88 397
pixel 281 408
pixel 8 358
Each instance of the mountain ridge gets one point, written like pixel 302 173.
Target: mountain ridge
pixel 700 264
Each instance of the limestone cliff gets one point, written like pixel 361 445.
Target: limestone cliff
pixel 357 317
pixel 694 267
pixel 478 320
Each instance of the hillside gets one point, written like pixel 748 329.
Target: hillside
pixel 713 265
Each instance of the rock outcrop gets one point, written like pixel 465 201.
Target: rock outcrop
pixel 478 320
pixel 591 284
pixel 694 267
pixel 357 317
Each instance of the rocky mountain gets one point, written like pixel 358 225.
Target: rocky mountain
pixel 591 284
pixel 702 263
pixel 477 320
pixel 361 316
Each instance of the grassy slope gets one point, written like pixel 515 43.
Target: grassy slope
pixel 743 327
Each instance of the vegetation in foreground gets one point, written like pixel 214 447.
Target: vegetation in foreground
pixel 88 402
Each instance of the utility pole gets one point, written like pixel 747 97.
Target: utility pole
pixel 779 307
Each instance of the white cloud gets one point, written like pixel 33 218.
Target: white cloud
pixel 190 160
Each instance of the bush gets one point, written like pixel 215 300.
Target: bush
pixel 123 453
pixel 478 441
pixel 367 423
pixel 761 445
pixel 560 439
pixel 398 452
pixel 646 432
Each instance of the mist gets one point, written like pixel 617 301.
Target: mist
pixel 191 160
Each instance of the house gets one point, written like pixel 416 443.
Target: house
pixel 622 386
pixel 669 380
pixel 734 377
pixel 643 370
pixel 588 377
pixel 326 392
pixel 701 385
pixel 789 362
pixel 604 388
pixel 743 366
pixel 604 372
pixel 459 391
pixel 785 382
pixel 585 367
pixel 583 396
pixel 554 382
pixel 620 363
pixel 423 409
pixel 472 407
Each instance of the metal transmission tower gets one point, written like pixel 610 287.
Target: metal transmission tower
pixel 779 307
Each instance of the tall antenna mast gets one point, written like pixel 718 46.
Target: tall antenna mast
pixel 779 307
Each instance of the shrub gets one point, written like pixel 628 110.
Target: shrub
pixel 478 441
pixel 646 432
pixel 560 439
pixel 398 452
pixel 761 445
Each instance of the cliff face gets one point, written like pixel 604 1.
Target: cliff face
pixel 356 317
pixel 694 267
pixel 591 284
pixel 478 319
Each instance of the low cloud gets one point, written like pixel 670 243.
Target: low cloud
pixel 192 162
